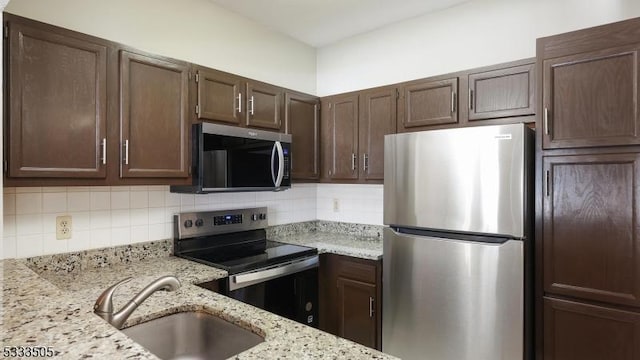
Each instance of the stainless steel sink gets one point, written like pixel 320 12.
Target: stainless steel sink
pixel 192 335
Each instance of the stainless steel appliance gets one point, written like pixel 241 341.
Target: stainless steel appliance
pixel 456 281
pixel 228 158
pixel 281 278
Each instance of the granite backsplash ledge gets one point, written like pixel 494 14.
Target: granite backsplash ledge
pixel 363 230
pixel 99 258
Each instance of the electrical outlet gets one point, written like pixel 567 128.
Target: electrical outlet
pixel 336 205
pixel 63 227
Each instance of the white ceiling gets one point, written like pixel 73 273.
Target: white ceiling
pixel 322 22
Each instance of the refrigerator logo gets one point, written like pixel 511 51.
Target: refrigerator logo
pixel 502 137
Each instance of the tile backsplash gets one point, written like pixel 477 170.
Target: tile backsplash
pixel 105 216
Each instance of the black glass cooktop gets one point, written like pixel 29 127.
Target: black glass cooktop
pixel 251 255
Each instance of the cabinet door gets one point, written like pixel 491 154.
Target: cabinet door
pixel 430 103
pixel 356 309
pixel 153 116
pixel 219 96
pixel 303 123
pixel 501 93
pixel 591 99
pixel 57 105
pixel 591 224
pixel 575 331
pixel 341 137
pixel 263 106
pixel 377 119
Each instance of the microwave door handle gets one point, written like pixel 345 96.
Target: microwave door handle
pixel 280 164
pixel 273 157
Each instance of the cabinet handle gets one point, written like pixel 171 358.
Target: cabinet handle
pixel 353 161
pixel 239 103
pixel 365 162
pixel 370 306
pixel 126 152
pixel 453 102
pixel 104 151
pixel 546 121
pixel 470 99
pixel 251 108
pixel 546 182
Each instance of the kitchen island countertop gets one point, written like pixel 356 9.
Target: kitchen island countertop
pixel 57 310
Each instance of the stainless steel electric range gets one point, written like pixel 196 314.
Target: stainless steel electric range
pixel 278 277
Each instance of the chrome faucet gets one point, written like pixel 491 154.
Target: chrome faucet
pixel 104 305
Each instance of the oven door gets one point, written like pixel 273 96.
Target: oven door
pixel 289 290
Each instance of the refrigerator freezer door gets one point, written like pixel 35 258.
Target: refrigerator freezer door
pixel 448 299
pixel 468 180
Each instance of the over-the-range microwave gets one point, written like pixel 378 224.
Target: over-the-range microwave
pixel 227 158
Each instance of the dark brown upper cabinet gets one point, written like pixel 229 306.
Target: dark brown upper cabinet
pixel 591 212
pixel 377 119
pixel 591 98
pixel 154 116
pixel 575 331
pixel 302 118
pixel 340 137
pixel 264 103
pixel 219 96
pixel 501 93
pixel 429 103
pixel 56 122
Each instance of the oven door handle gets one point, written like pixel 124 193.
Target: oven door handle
pixel 247 279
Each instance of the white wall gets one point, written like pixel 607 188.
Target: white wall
pixel 473 34
pixel 193 30
pixel 105 216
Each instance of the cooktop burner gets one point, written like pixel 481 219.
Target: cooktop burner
pixel 245 259
pixel 233 240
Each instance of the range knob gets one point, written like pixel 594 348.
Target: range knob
pixel 263 216
pixel 254 217
pixel 188 223
pixel 199 222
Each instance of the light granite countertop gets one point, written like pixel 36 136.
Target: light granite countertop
pixel 364 247
pixel 57 310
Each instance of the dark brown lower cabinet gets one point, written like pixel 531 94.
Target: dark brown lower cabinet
pixel 350 295
pixel 576 331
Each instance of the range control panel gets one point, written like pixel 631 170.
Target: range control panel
pixel 193 224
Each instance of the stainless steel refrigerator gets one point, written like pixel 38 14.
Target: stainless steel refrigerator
pixel 456 261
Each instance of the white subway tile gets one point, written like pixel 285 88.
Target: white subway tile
pixel 120 188
pixel 120 218
pixel 156 216
pixel 49 222
pixel 156 199
pixel 170 211
pixel 120 200
pixel 171 199
pixel 78 201
pixel 28 203
pixel 80 240
pixel 100 200
pixel 54 202
pixel 9 190
pixel 162 188
pixel 187 200
pixel 120 236
pixel 28 224
pixel 78 188
pixel 100 238
pixel 9 247
pixel 80 220
pixel 140 188
pixel 53 189
pixel 139 233
pixel 25 190
pixel 139 199
pixel 100 219
pixel 9 225
pixel 156 232
pixel 51 245
pixel 29 245
pixel 201 199
pixel 140 217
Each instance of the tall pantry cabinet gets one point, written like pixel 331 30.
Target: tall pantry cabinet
pixel 588 191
